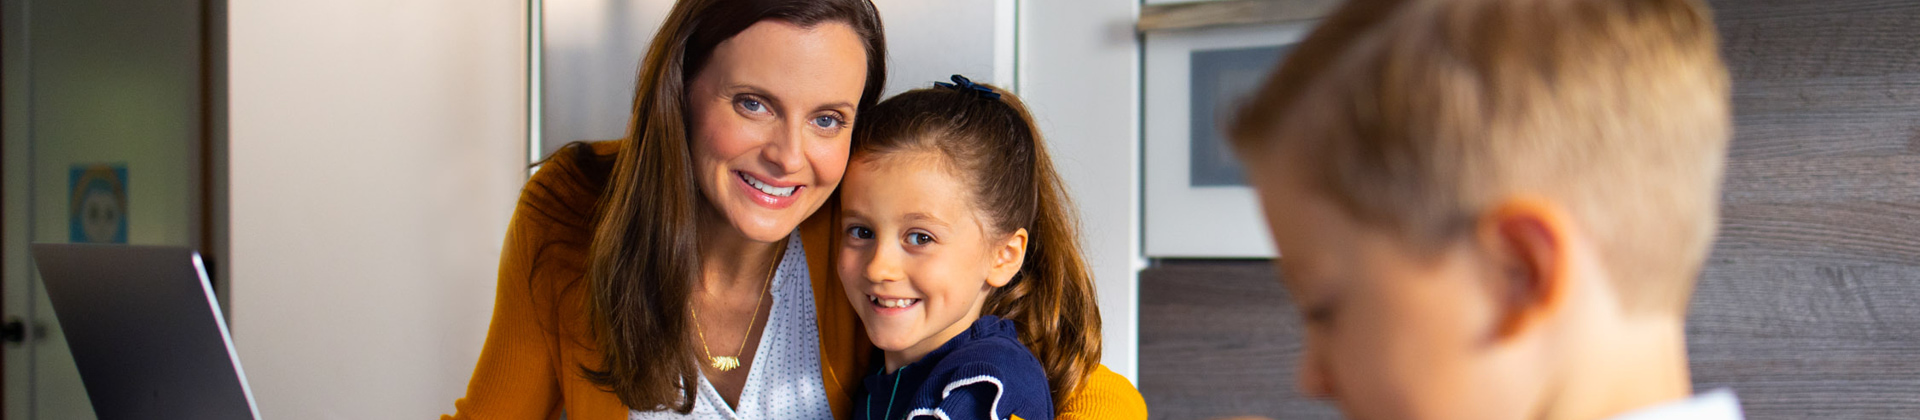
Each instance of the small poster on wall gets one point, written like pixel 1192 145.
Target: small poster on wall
pixel 1197 202
pixel 1222 80
pixel 97 206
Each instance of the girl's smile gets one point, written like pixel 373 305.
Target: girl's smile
pixel 916 261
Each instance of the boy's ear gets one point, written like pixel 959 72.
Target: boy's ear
pixel 1007 257
pixel 1527 241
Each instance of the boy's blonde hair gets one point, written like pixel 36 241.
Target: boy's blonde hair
pixel 1414 116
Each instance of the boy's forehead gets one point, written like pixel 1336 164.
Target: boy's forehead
pixel 1310 231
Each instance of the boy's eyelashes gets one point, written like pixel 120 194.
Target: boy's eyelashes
pixel 1321 311
pixel 1319 315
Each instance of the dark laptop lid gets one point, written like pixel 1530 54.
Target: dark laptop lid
pixel 145 331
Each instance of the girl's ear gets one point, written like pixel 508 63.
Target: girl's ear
pixel 1007 257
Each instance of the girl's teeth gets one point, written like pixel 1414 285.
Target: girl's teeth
pixel 769 189
pixel 892 303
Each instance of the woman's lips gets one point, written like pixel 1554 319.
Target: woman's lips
pixel 770 194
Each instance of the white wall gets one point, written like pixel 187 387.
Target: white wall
pixel 590 55
pixel 377 148
pixel 1079 72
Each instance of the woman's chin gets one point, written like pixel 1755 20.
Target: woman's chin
pixel 762 226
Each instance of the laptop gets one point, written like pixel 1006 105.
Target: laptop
pixel 145 331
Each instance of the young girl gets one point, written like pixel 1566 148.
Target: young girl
pixel 959 252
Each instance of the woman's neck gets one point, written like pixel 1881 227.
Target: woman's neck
pixel 730 260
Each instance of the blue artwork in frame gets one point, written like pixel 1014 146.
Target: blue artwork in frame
pixel 97 205
pixel 1222 79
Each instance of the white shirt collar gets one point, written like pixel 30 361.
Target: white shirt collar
pixel 1718 404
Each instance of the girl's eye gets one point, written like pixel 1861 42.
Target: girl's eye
pixel 827 122
pixel 918 238
pixel 860 232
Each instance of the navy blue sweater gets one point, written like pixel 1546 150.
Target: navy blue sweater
pixel 983 373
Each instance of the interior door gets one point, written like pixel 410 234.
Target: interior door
pixel 103 123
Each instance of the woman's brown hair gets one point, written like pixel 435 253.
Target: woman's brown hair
pixel 644 256
pixel 988 139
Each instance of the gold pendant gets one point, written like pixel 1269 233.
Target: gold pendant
pixel 725 363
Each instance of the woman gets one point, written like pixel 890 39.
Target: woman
pixel 689 252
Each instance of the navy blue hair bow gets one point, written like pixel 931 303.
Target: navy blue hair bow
pixel 960 83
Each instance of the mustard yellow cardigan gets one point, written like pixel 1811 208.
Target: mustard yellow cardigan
pixel 529 367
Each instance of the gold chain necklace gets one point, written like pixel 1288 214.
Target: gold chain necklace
pixel 726 363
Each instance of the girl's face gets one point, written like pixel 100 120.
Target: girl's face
pixel 916 259
pixel 770 117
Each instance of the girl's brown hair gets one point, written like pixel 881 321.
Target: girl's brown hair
pixel 992 145
pixel 644 256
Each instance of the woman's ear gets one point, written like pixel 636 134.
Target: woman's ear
pixel 1008 256
pixel 1531 265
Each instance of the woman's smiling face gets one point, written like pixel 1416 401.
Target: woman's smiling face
pixel 771 117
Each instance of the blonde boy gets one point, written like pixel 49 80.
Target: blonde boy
pixel 1496 209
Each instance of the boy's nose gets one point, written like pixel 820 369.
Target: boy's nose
pixel 1312 379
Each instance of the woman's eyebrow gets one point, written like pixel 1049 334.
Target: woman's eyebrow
pixel 836 106
pixel 772 101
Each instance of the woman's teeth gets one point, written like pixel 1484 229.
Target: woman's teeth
pixel 769 189
pixel 892 303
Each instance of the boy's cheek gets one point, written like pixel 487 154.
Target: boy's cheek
pixel 1352 375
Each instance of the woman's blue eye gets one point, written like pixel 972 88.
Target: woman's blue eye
pixel 826 121
pixel 860 232
pixel 752 105
pixel 917 238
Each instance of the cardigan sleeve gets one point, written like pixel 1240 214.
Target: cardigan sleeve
pixel 1104 395
pixel 517 375
pixel 514 378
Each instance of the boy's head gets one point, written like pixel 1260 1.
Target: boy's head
pixel 1462 190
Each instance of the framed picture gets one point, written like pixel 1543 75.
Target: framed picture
pixel 1197 202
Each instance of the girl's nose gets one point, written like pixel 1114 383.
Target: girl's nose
pixel 885 265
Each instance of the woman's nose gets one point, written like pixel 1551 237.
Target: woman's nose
pixel 786 149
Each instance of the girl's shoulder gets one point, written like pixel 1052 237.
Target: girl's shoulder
pixel 993 341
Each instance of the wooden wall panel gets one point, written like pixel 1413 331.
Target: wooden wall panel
pixel 1810 304
pixel 1219 338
